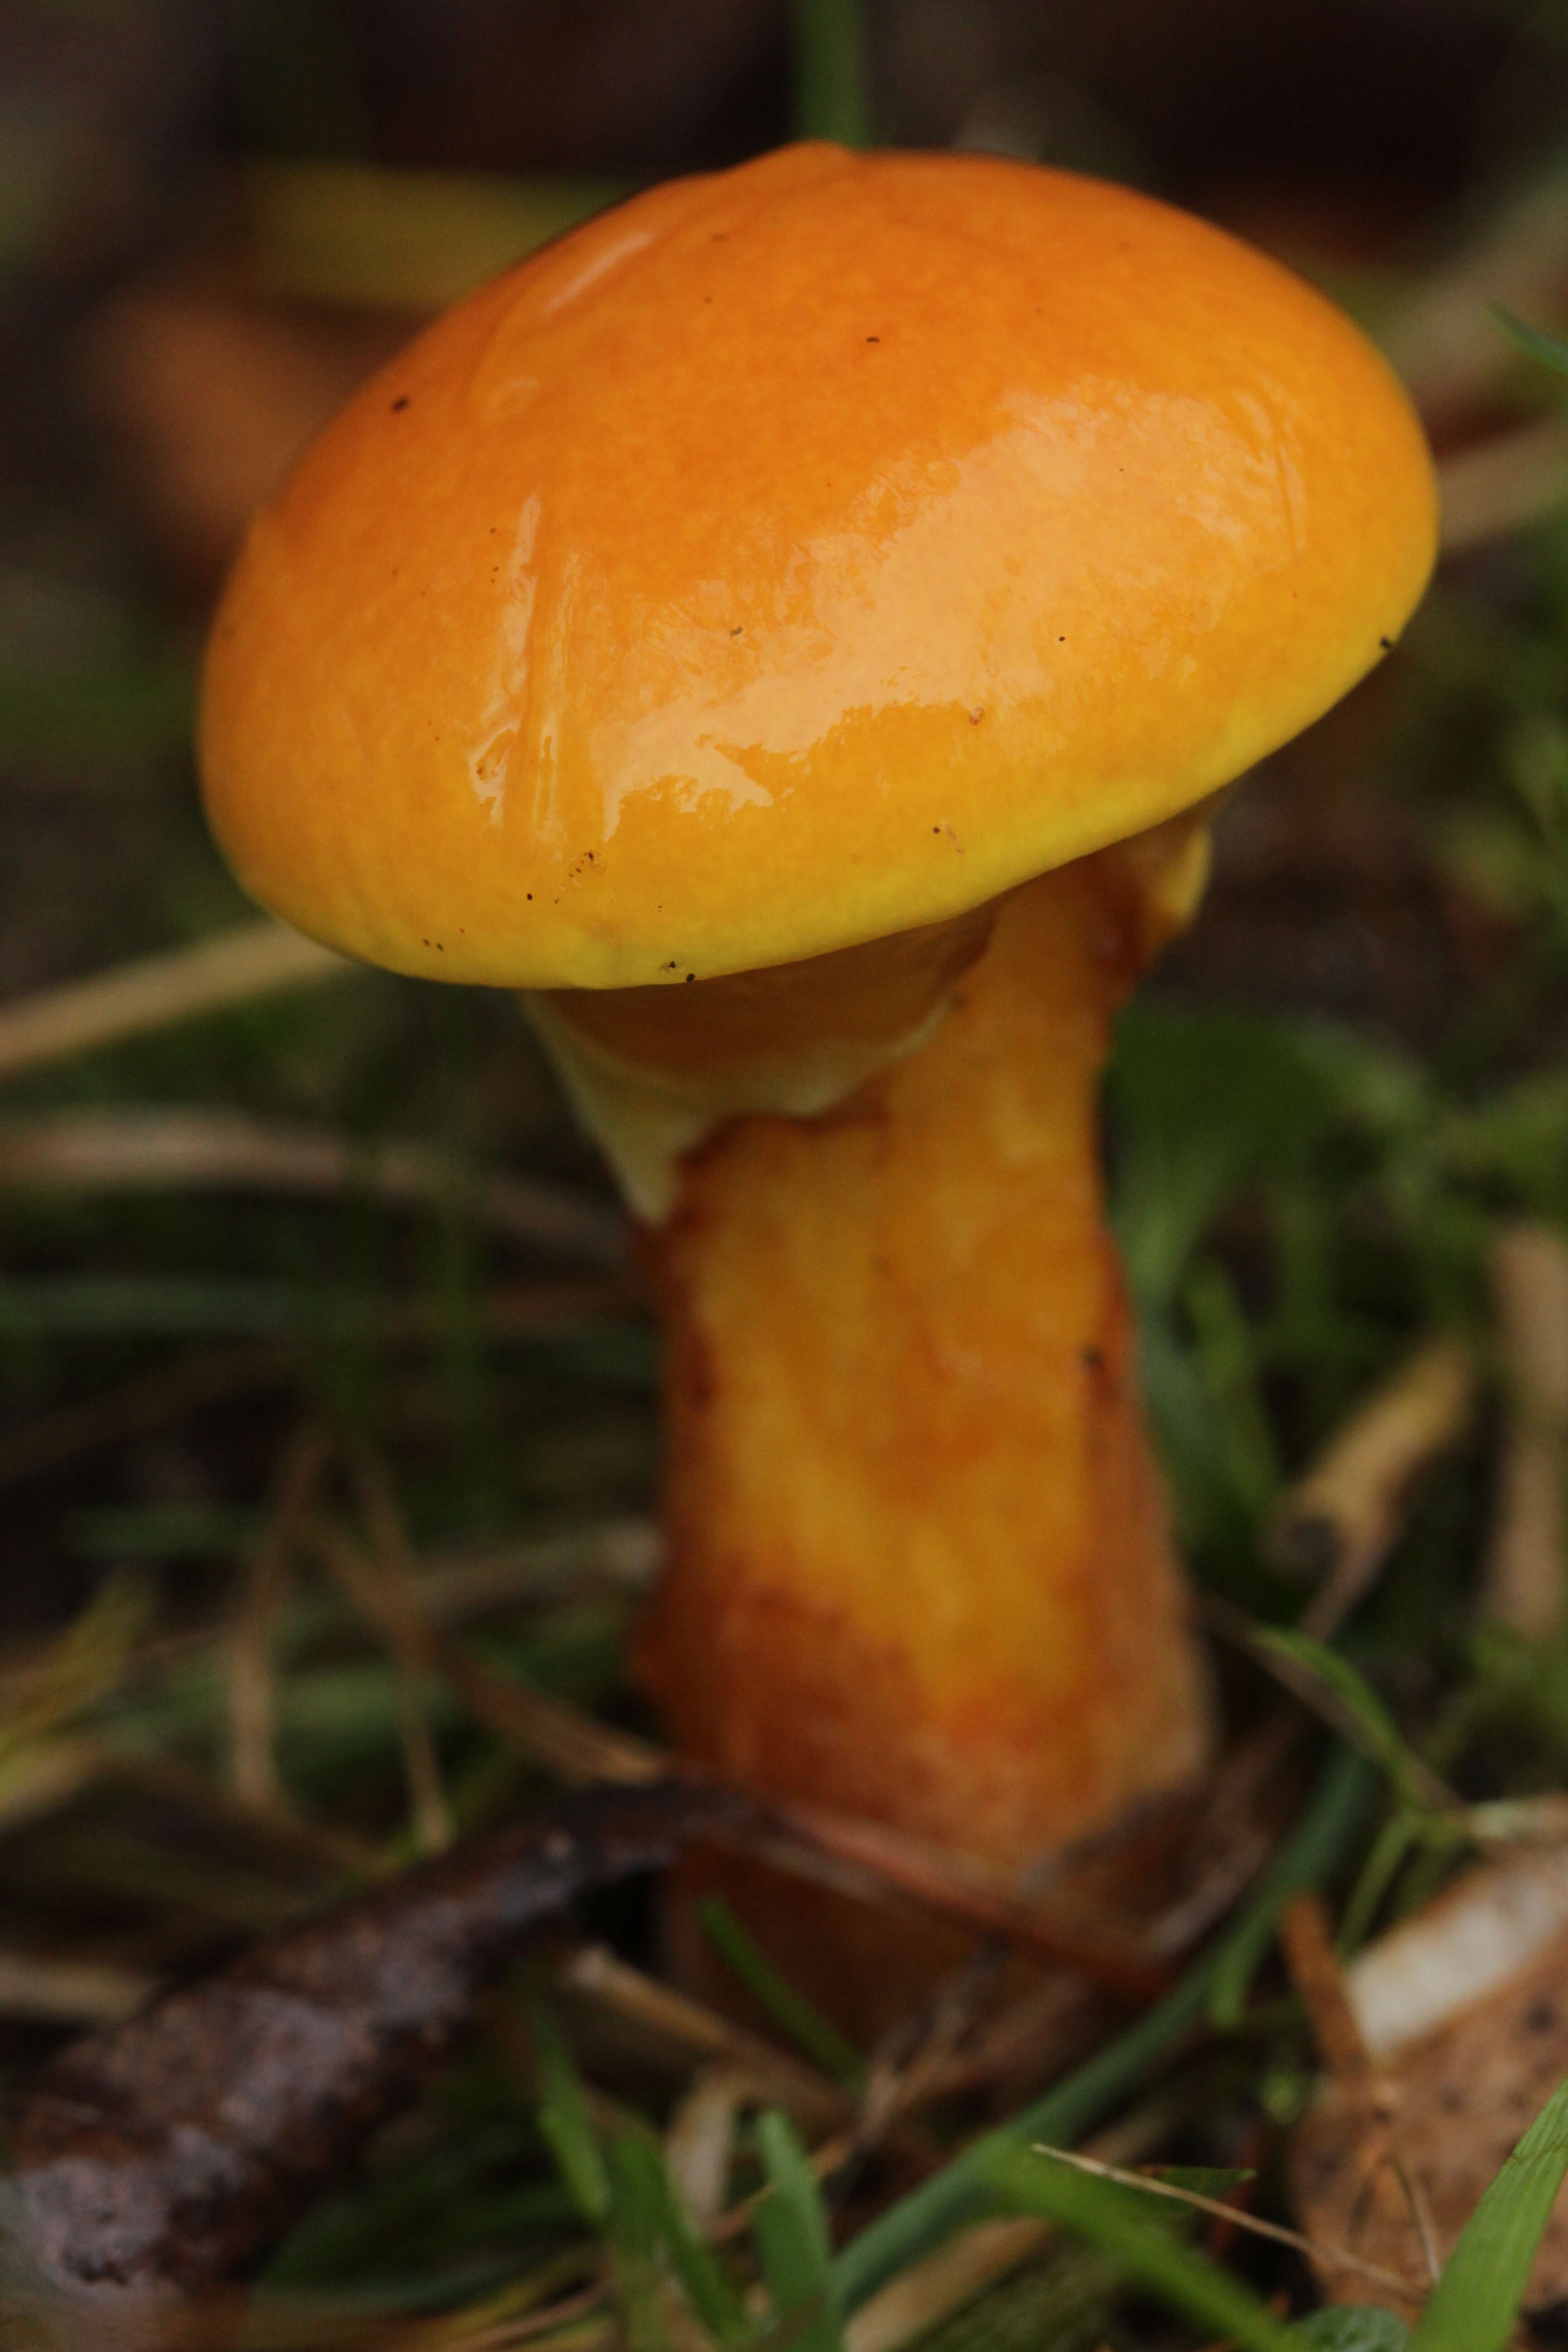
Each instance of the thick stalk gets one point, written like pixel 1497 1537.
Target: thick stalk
pixel 921 1567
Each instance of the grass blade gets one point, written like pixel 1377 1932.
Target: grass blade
pixel 1550 350
pixel 1366 1719
pixel 648 2211
pixel 831 99
pixel 1145 2250
pixel 1475 2303
pixel 960 2192
pixel 792 2243
pixel 564 2117
pixel 1355 2327
pixel 805 2024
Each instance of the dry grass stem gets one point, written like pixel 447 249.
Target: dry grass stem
pixel 1522 1579
pixel 1420 2213
pixel 931 2291
pixel 1503 485
pixel 1518 1821
pixel 503 2335
pixel 699 2141
pixel 1235 2215
pixel 58 1991
pixel 232 968
pixel 77 1670
pixel 215 1375
pixel 263 1593
pixel 1446 343
pixel 1206 1903
pixel 620 1558
pixel 900 2077
pixel 696 2032
pixel 551 1732
pixel 1033 2038
pixel 946 2281
pixel 42 1780
pixel 1340 1521
pixel 563 1738
pixel 381 1591
pixel 178 1149
pixel 331 1851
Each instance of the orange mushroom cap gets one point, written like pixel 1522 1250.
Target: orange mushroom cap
pixel 796 555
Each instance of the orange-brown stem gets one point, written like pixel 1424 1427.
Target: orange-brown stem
pixel 920 1562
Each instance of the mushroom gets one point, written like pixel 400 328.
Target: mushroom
pixel 794 627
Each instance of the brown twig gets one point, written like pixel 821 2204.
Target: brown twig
pixel 169 2153
pixel 931 2290
pixel 1307 1942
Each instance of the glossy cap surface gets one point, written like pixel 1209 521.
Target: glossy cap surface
pixel 796 555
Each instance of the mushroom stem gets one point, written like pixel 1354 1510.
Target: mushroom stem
pixel 920 1563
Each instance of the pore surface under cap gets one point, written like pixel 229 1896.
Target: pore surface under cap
pixel 796 555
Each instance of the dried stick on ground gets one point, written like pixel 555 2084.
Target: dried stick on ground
pixel 1340 1521
pixel 1523 1581
pixel 169 2153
